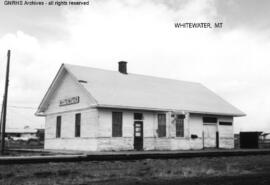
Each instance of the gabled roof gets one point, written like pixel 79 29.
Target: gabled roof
pixel 116 90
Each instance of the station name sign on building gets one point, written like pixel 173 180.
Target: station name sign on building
pixel 69 101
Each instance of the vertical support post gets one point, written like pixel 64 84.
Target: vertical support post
pixel 5 106
pixel 217 139
pixel 1 118
pixel 168 123
pixel 203 139
pixel 217 135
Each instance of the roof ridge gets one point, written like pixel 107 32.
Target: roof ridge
pixel 134 74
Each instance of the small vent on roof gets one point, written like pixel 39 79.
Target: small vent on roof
pixel 82 81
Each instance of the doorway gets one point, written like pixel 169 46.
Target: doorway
pixel 210 136
pixel 138 135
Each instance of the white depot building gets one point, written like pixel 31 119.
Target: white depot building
pixel 99 110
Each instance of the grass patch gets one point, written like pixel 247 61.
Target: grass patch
pixel 7 175
pixel 66 172
pixel 98 171
pixel 43 174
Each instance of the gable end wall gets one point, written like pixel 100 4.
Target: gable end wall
pixel 67 87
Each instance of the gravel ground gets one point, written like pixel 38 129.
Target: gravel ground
pixel 214 170
pixel 251 179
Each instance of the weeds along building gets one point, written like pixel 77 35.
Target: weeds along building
pixel 99 110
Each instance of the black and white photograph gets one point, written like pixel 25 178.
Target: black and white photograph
pixel 133 92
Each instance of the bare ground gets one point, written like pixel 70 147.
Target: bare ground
pixel 216 170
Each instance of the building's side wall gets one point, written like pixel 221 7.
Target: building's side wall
pixel 107 142
pixel 193 125
pixel 96 132
pixel 226 136
pixel 105 139
pixel 67 141
pixel 170 142
pixel 151 141
pixel 196 129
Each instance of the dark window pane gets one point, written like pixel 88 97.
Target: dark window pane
pixel 181 116
pixel 78 125
pixel 161 125
pixel 117 124
pixel 179 127
pixel 138 116
pixel 225 123
pixel 209 120
pixel 58 126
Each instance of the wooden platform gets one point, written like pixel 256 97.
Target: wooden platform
pixel 73 156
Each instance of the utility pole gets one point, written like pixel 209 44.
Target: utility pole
pixel 4 108
pixel 1 118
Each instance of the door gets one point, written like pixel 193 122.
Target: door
pixel 210 136
pixel 138 135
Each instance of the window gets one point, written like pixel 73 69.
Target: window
pixel 181 116
pixel 225 123
pixel 82 81
pixel 117 124
pixel 161 125
pixel 209 120
pixel 58 126
pixel 78 125
pixel 179 126
pixel 138 116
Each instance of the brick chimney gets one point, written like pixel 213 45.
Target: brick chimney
pixel 122 67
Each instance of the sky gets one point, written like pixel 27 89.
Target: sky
pixel 233 61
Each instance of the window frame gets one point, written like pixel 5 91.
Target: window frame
pixel 209 119
pixel 135 116
pixel 162 128
pixel 182 123
pixel 78 125
pixel 226 123
pixel 58 126
pixel 117 127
